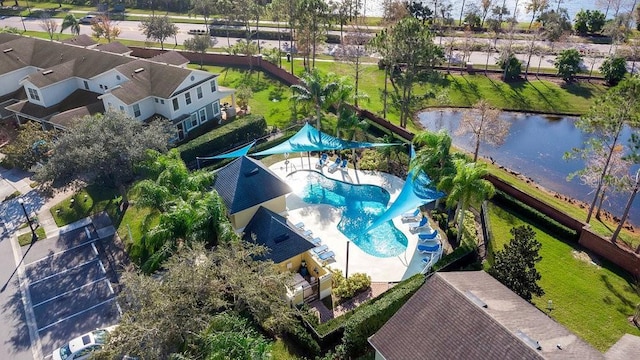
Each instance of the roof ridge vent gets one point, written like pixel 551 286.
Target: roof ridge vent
pixel 47 72
pixel 138 70
pixel 527 340
pixel 7 50
pixel 476 300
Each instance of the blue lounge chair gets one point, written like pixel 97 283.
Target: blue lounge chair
pixel 333 167
pixel 428 249
pixel 426 259
pixel 322 161
pixel 320 249
pixel 307 233
pixel 299 225
pixel 411 214
pixel 316 241
pixel 344 164
pixel 326 255
pixel 428 236
pixel 424 221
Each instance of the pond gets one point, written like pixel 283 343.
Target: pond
pixel 535 147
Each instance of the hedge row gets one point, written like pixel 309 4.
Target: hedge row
pixel 371 316
pixel 264 35
pixel 225 137
pixel 537 218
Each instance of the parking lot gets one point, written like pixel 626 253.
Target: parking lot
pixel 71 281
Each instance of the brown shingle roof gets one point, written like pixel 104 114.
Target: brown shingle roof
pixel 83 40
pixel 442 322
pixel 171 58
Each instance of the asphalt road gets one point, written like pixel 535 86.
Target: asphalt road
pixel 131 30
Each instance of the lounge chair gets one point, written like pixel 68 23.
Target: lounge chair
pixel 299 225
pixel 307 233
pixel 411 214
pixel 344 164
pixel 428 236
pixel 326 255
pixel 316 241
pixel 320 249
pixel 333 167
pixel 426 259
pixel 322 161
pixel 428 249
pixel 412 226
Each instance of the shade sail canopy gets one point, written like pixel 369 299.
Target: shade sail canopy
pixel 310 139
pixel 417 190
pixel 233 154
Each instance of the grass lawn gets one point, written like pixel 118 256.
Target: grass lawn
pixel 602 227
pixel 282 350
pixel 25 239
pixel 593 301
pixel 88 201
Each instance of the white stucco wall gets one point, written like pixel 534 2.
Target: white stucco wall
pixel 55 93
pixel 10 81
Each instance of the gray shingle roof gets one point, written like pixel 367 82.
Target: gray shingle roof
pixel 273 231
pixel 171 58
pixel 83 40
pixel 442 322
pixel 114 47
pixel 245 183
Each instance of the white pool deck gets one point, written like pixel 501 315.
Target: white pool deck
pixel 323 220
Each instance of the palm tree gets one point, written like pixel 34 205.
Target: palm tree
pixel 465 187
pixel 350 126
pixel 70 22
pixel 433 156
pixel 314 89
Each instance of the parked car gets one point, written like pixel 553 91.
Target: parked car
pixel 87 20
pixel 81 347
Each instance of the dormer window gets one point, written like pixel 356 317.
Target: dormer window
pixel 33 94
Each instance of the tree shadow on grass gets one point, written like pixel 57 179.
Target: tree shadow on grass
pixel 578 89
pixel 623 296
pixel 541 95
pixel 516 98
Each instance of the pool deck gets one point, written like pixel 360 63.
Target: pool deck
pixel 323 221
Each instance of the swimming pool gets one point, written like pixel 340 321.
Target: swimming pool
pixel 360 205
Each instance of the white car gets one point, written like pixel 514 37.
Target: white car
pixel 88 19
pixel 82 346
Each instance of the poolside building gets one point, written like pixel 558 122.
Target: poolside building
pixel 245 185
pixel 289 249
pixel 471 315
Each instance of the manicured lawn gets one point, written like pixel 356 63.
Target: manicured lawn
pixel 594 301
pixel 135 223
pixel 88 201
pixel 25 239
pixel 602 227
pixel 282 350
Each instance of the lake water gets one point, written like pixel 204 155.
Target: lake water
pixel 374 7
pixel 535 147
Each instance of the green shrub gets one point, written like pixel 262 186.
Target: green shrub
pixel 347 288
pixel 370 317
pixel 372 160
pixel 441 218
pixel 511 65
pixel 303 338
pixel 236 132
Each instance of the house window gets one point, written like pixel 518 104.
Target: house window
pixel 176 106
pixel 118 77
pixel 213 86
pixel 202 113
pixel 156 99
pixel 101 87
pixel 136 110
pixel 199 92
pixel 33 93
pixel 121 108
pixel 161 101
pixel 86 84
pixel 187 98
pixel 194 120
pixel 105 87
pixel 216 108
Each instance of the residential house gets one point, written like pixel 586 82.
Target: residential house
pixel 471 315
pixel 290 251
pixel 52 82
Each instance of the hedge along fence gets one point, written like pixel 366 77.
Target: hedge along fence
pixel 371 316
pixel 225 137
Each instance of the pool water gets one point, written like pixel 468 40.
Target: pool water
pixel 360 205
